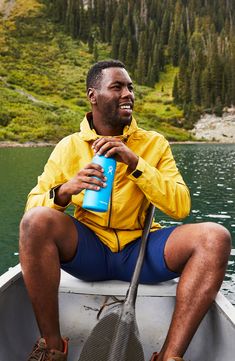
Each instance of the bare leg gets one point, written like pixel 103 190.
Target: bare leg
pixel 200 252
pixel 46 237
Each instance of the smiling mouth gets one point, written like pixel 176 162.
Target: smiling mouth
pixel 126 106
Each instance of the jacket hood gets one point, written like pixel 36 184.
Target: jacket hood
pixel 88 134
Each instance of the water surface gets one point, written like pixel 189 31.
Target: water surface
pixel 208 169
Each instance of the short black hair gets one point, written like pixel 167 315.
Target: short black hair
pixel 95 73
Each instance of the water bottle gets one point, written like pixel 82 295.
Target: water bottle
pixel 98 201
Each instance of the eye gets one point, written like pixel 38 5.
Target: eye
pixel 116 86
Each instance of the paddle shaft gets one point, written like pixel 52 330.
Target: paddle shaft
pixel 132 290
pixel 116 336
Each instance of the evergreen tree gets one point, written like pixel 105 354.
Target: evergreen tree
pixel 155 66
pixel 195 87
pixel 95 52
pixel 141 60
pixel 72 19
pixel 91 44
pixel 122 52
pixel 184 95
pixel 59 9
pixel 206 88
pixel 116 33
pixel 175 94
pixel 129 56
pixel 196 35
pixel 232 71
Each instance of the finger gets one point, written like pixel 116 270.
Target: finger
pixel 116 152
pixel 93 183
pixel 99 142
pixel 95 180
pixel 112 152
pixel 92 172
pixel 109 145
pixel 102 141
pixel 90 186
pixel 93 166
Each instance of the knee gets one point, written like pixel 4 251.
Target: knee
pixel 216 240
pixel 35 222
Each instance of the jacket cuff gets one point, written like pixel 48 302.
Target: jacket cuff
pixel 51 196
pixel 138 170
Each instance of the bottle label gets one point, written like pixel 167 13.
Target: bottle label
pixel 110 170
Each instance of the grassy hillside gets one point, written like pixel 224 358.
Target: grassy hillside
pixel 42 80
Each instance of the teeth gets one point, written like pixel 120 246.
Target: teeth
pixel 125 107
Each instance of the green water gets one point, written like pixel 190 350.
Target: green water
pixel 208 169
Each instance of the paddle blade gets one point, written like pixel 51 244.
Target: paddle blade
pixel 114 338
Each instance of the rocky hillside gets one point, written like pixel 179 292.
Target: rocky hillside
pixel 217 129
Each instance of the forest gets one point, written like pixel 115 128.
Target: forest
pixel 180 54
pixel 195 35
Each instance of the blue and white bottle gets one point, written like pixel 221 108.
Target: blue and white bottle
pixel 98 201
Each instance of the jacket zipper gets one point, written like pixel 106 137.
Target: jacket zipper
pixel 109 221
pixel 110 209
pixel 118 243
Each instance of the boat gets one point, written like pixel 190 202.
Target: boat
pixel 80 302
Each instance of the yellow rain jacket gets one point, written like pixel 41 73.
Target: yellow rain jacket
pixel 158 181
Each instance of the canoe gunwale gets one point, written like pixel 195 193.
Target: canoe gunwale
pixel 225 306
pixel 9 277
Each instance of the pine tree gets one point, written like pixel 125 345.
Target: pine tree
pixel 72 20
pixel 175 90
pixel 91 44
pixel 155 70
pixel 95 52
pixel 184 95
pixel 122 52
pixel 101 9
pixel 116 35
pixel 206 88
pixel 59 10
pixel 232 71
pixel 215 74
pixel 129 56
pixel 195 87
pixel 141 60
pixel 196 35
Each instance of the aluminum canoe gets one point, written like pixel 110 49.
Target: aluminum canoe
pixel 79 303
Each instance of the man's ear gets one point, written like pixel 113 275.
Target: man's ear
pixel 91 95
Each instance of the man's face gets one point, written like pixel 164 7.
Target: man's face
pixel 115 97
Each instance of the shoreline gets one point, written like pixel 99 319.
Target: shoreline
pixel 13 144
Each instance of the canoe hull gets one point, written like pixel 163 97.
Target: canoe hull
pixel 79 304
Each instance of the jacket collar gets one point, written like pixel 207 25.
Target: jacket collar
pixel 87 134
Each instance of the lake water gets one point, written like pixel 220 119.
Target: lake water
pixel 208 169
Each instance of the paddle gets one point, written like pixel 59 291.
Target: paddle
pixel 116 335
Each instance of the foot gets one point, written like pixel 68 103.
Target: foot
pixel 155 357
pixel 42 353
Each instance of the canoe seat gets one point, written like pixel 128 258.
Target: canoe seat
pixel 70 284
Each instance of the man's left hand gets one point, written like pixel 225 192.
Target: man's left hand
pixel 114 147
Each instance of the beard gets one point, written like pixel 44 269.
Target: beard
pixel 114 117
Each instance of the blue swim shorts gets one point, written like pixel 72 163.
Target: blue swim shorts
pixel 94 261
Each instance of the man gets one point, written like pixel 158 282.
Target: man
pixel 83 245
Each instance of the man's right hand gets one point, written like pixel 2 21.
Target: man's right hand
pixel 84 179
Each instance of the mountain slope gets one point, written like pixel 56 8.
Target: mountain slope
pixel 42 80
